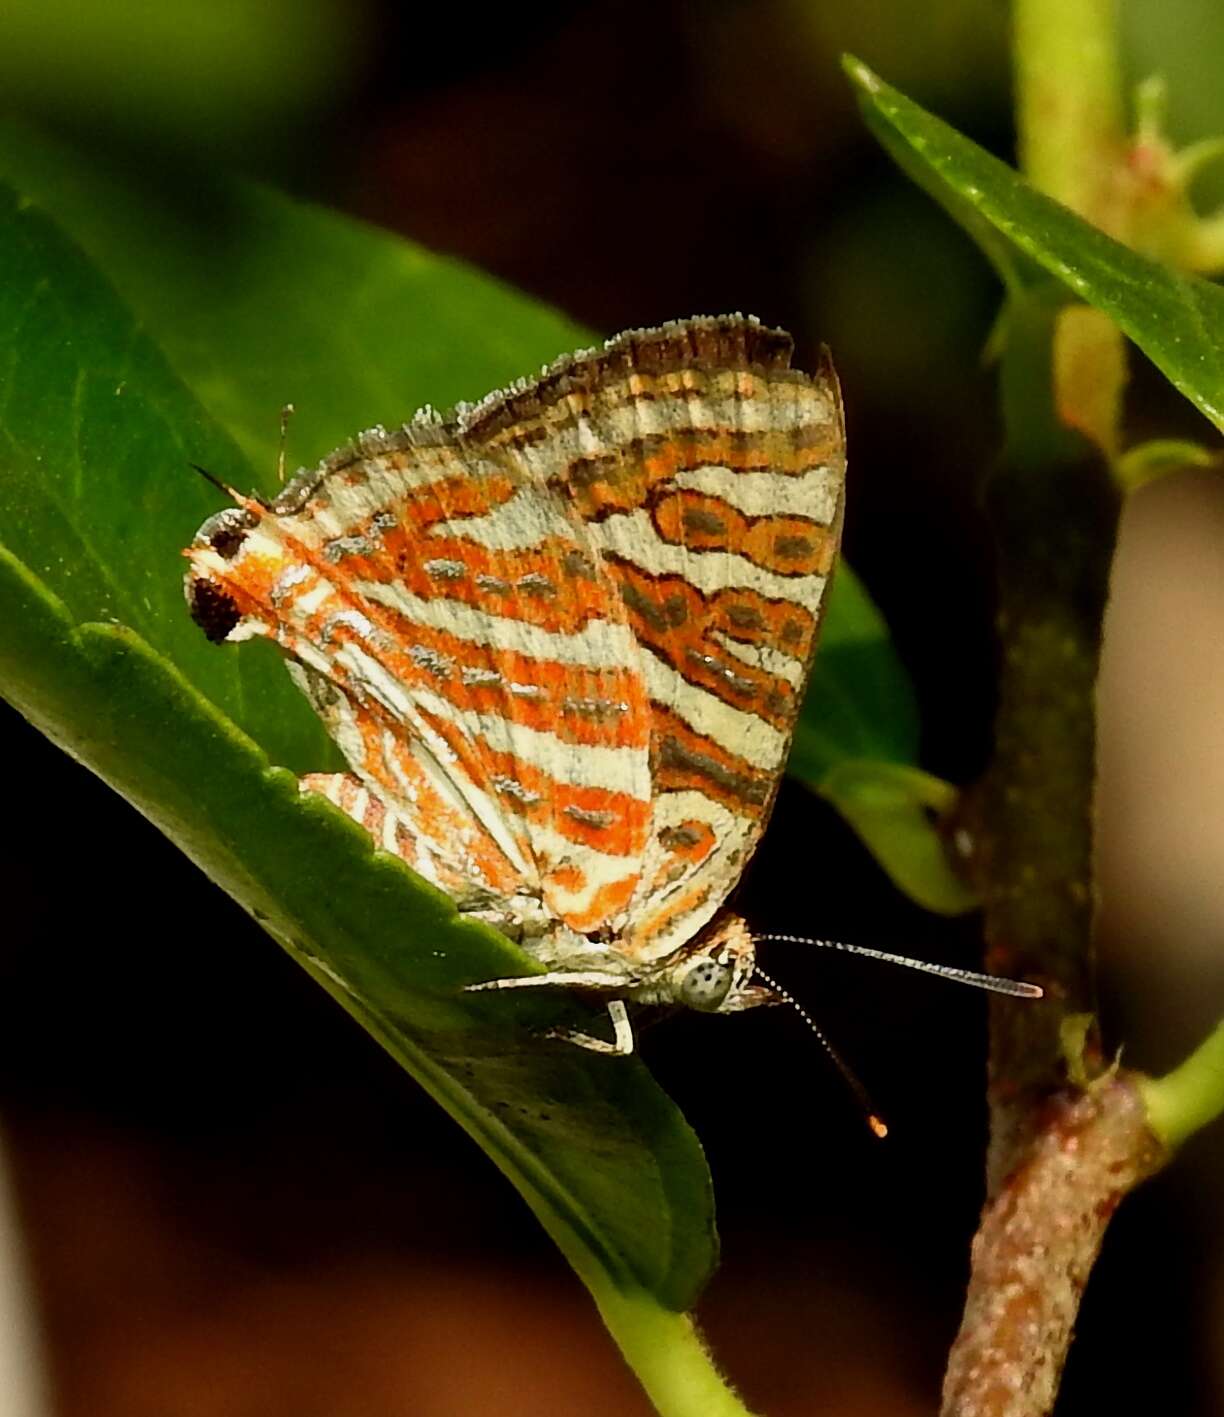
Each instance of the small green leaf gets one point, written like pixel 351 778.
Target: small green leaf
pixel 859 701
pixel 1148 462
pixel 1178 321
pixel 894 809
pixel 856 742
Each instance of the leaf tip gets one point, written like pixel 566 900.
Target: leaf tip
pixel 858 73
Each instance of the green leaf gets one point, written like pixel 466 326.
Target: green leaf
pixel 859 702
pixel 597 1151
pixel 96 648
pixel 1147 462
pixel 856 743
pixel 894 809
pixel 96 497
pixel 1178 321
pixel 256 300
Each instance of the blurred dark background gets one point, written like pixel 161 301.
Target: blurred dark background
pixel 231 1201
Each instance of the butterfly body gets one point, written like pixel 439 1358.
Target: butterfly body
pixel 561 638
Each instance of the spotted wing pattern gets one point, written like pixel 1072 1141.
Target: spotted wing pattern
pixel 562 636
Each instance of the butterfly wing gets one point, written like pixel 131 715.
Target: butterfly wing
pixel 562 639
pixel 709 475
pixel 446 617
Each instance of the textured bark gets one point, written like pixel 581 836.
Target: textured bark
pixel 1068 1136
pixel 1035 1248
pixel 1027 828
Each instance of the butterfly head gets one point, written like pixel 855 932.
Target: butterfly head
pixel 715 977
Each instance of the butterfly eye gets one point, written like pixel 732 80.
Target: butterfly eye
pixel 706 985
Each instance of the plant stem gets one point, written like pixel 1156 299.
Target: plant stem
pixel 1028 824
pixel 1068 102
pixel 1072 145
pixel 667 1355
pixel 1189 1097
pixel 1036 1246
pixel 1067 1143
pixel 1054 513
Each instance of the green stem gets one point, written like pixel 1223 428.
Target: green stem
pixel 1148 462
pixel 1072 142
pixel 1189 1097
pixel 1069 100
pixel 1061 1157
pixel 666 1353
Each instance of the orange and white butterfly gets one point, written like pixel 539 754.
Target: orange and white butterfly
pixel 562 637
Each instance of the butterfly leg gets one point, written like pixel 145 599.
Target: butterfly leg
pixel 622 1044
pixel 559 979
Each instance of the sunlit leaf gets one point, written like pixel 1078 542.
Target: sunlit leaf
pixel 1178 321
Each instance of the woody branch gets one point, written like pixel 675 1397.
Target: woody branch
pixel 1069 1135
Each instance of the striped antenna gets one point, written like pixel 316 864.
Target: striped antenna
pixel 209 477
pixel 231 492
pixel 1016 988
pixel 285 415
pixel 874 1120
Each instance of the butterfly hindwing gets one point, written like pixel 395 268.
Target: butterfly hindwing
pixel 709 475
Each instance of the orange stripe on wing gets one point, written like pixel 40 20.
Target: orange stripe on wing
pixel 605 903
pixel 623 477
pixel 550 584
pixel 672 618
pixel 578 705
pixel 682 759
pixel 608 820
pixel 789 546
pixel 783 450
pixel 746 615
pixel 449 497
pixel 655 922
pixel 615 823
pixel 457 834
pixel 691 840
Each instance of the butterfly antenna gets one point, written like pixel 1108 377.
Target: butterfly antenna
pixel 1016 988
pixel 874 1120
pixel 252 504
pixel 211 477
pixel 286 414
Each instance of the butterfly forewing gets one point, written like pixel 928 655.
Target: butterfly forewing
pixel 561 637
pixel 446 617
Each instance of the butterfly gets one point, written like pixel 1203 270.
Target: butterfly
pixel 561 637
